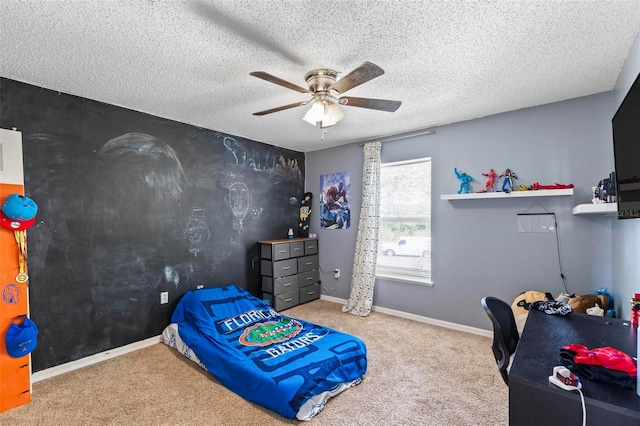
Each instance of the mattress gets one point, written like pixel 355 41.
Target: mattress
pixel 288 365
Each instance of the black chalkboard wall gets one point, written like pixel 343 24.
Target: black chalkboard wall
pixel 131 205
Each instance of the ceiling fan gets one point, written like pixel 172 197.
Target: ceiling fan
pixel 325 90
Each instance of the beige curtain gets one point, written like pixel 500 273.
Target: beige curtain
pixel 363 276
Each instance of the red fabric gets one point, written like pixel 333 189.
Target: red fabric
pixel 606 357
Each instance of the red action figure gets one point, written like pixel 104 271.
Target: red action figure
pixel 536 185
pixel 489 185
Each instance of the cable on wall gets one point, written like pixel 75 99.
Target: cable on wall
pixel 562 275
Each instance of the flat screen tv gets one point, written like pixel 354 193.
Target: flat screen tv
pixel 626 151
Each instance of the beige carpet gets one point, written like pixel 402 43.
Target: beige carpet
pixel 417 374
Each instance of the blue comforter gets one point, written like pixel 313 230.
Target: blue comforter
pixel 270 359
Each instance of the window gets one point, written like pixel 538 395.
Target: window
pixel 404 240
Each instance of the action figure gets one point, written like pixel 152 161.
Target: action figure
pixel 508 176
pixel 536 185
pixel 489 185
pixel 464 181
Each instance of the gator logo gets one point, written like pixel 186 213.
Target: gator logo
pixel 267 333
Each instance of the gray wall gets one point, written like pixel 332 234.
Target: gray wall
pixel 477 250
pixel 626 233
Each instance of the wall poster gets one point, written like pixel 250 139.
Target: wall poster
pixel 335 212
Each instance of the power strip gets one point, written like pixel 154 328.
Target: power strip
pixel 560 372
pixel 558 383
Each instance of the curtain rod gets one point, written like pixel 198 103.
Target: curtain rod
pixel 398 136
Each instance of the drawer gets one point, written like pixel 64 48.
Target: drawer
pixel 286 300
pixel 280 268
pixel 307 263
pixel 309 293
pixel 275 251
pixel 311 247
pixel 308 278
pixel 296 249
pixel 266 268
pixel 279 285
pixel 283 268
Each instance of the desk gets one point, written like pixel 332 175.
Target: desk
pixel 535 401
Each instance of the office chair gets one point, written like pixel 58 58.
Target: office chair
pixel 505 332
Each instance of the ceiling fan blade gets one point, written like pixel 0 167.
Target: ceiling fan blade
pixel 280 108
pixel 277 80
pixel 245 31
pixel 365 72
pixel 379 104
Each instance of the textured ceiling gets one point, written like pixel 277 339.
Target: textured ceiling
pixel 447 61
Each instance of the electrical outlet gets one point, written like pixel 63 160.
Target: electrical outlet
pixel 199 286
pixel 164 297
pixel 336 273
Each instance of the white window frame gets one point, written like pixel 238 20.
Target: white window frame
pixel 398 275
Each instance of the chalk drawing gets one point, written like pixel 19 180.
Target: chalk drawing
pixel 152 159
pixel 171 275
pixel 239 155
pixel 257 211
pixel 196 233
pixel 287 170
pixel 238 199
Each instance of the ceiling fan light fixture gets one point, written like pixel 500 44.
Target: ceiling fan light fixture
pixel 332 115
pixel 325 112
pixel 315 113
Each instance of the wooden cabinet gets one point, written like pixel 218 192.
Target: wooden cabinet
pixel 290 271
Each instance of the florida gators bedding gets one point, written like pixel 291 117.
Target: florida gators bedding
pixel 285 364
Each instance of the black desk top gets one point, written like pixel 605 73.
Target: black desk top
pixel 544 335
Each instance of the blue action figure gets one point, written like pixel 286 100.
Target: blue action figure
pixel 464 181
pixel 508 176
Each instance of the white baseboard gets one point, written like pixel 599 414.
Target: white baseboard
pixel 419 318
pixel 93 359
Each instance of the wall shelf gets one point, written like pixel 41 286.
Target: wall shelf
pixel 630 186
pixel 512 194
pixel 596 208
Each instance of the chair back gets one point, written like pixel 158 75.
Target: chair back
pixel 505 332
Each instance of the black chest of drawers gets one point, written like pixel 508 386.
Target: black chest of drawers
pixel 290 271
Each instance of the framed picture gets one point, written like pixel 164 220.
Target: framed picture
pixel 335 212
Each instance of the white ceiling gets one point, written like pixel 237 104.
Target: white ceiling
pixel 447 61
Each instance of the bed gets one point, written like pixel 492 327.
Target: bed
pixel 285 364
